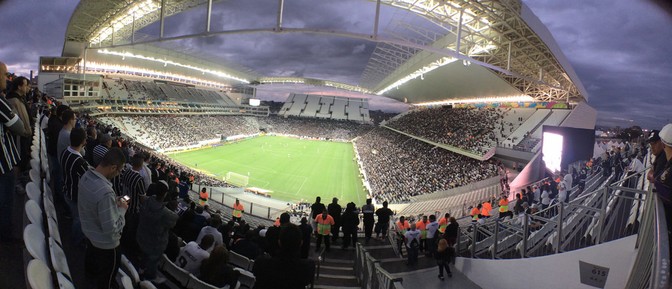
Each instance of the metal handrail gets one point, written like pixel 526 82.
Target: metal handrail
pixel 660 273
pixel 370 274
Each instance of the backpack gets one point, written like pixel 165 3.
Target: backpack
pixel 414 244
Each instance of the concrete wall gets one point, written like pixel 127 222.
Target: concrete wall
pixel 555 271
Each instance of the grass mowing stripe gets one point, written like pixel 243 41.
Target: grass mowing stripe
pixel 293 169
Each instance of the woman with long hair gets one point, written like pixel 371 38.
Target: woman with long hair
pixel 443 256
pixel 216 271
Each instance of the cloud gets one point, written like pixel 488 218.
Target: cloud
pixel 619 50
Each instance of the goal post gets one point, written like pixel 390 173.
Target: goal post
pixel 237 179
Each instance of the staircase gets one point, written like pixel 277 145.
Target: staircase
pixel 336 269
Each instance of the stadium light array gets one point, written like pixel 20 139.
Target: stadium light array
pixel 420 72
pixel 165 62
pixel 122 69
pixel 133 12
pixel 515 98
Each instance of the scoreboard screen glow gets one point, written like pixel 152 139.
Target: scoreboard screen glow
pixel 255 102
pixel 552 150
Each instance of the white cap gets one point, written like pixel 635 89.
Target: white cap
pixel 666 135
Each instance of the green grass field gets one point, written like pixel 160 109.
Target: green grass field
pixel 293 169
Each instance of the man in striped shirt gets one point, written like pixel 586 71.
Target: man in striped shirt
pixel 9 156
pixel 101 213
pixel 74 166
pixel 101 149
pixel 133 185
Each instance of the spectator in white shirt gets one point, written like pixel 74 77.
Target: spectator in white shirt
pixel 193 254
pixel 211 229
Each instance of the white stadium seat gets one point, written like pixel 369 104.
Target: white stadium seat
pixel 34 213
pixel 39 275
pixel 33 237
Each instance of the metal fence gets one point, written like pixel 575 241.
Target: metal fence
pixel 608 211
pixel 370 274
pixel 252 208
pixel 611 212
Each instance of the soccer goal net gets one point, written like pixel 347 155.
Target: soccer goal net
pixel 237 179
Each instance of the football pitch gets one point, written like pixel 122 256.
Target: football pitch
pixel 293 169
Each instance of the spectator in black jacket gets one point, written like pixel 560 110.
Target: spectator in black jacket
pixel 350 222
pixel 334 210
pixel 286 270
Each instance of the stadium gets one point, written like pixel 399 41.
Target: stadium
pixel 495 132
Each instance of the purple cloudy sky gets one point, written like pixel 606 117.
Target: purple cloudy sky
pixel 619 48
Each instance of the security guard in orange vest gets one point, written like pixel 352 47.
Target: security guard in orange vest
pixel 402 226
pixel 203 197
pixel 443 223
pixel 324 223
pixel 238 210
pixel 421 225
pixel 485 211
pixel 504 207
pixel 476 213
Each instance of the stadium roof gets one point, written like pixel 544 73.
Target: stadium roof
pixel 503 49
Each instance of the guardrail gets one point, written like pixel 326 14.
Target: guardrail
pixel 370 274
pixel 591 218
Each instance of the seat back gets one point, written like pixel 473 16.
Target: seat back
pixel 176 273
pixel 34 213
pixel 195 283
pixel 33 192
pixel 33 237
pixel 64 282
pixel 39 275
pixel 246 278
pixel 130 269
pixel 238 260
pixel 58 260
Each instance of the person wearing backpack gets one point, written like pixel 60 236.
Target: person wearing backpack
pixel 412 238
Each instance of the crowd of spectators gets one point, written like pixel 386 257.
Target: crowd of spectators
pixel 313 127
pixel 161 132
pixel 468 129
pixel 399 167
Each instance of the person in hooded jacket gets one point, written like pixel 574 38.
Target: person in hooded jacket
pixel 154 228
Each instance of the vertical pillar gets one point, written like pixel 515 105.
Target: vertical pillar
pixel 459 32
pixel 163 18
pixel 376 20
pixel 281 10
pixel 208 16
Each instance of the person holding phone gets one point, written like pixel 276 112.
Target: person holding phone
pixel 101 214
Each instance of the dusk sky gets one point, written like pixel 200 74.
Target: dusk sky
pixel 619 48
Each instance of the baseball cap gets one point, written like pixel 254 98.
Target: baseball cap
pixel 666 135
pixel 654 136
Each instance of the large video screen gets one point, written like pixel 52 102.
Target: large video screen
pixel 562 146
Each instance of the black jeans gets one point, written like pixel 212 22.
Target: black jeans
pixel 327 242
pixel 443 266
pixel 349 236
pixel 368 229
pixel 102 265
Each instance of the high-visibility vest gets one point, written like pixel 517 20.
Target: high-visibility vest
pixel 503 205
pixel 238 210
pixel 485 211
pixel 474 214
pixel 202 198
pixel 422 227
pixel 324 224
pixel 401 228
pixel 443 224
